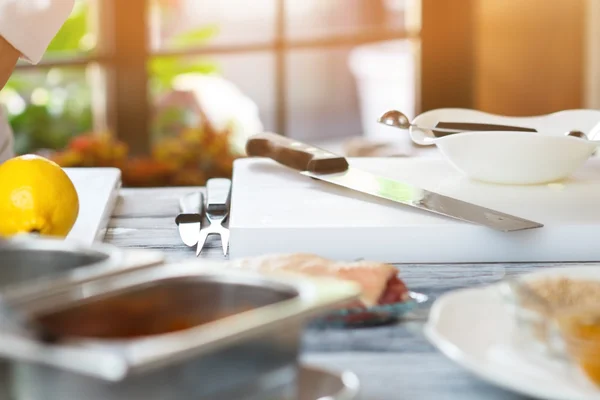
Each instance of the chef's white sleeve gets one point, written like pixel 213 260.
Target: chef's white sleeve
pixel 30 25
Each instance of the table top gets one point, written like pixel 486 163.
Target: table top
pixel 392 362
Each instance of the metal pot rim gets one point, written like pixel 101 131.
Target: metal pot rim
pixel 112 264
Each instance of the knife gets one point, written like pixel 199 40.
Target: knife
pixel 323 165
pixel 189 221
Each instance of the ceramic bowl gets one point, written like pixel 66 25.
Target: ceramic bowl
pixel 514 158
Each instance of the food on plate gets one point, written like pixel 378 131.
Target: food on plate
pixel 379 282
pixel 556 293
pixel 580 329
pixel 561 292
pixel 36 196
pixel 574 305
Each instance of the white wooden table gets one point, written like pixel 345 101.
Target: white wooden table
pixel 393 362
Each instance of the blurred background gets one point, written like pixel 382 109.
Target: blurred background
pixel 168 90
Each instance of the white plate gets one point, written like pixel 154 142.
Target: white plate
pixel 474 328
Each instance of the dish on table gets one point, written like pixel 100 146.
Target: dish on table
pixel 507 342
pixel 508 157
pixel 384 295
pixel 561 315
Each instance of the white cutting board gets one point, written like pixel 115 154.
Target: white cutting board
pixel 274 209
pixel 97 189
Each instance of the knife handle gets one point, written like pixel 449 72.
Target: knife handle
pixel 192 203
pixel 217 193
pixel 295 154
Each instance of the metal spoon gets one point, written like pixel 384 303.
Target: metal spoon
pixel 581 135
pixel 397 119
pixel 577 134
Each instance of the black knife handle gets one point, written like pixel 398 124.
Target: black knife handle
pixel 217 193
pixel 295 154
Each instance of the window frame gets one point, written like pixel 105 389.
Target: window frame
pixel 123 52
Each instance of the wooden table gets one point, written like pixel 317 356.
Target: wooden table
pixel 393 362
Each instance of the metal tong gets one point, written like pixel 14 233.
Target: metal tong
pixel 189 222
pixel 218 191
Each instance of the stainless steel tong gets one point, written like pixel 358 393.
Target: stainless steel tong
pixel 190 221
pixel 218 191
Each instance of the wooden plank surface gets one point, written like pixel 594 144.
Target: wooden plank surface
pixel 397 355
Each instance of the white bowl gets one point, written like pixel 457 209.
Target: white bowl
pixel 508 157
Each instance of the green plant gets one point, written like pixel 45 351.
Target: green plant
pixel 49 107
pixel 74 32
pixel 54 104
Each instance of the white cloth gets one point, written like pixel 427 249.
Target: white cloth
pixel 29 26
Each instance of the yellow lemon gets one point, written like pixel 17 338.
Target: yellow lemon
pixel 36 196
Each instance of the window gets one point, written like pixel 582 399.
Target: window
pixel 289 56
pixel 121 66
pixel 48 104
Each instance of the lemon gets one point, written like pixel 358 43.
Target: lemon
pixel 36 196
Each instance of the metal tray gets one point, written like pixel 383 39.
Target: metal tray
pixel 313 383
pixel 239 355
pixel 31 267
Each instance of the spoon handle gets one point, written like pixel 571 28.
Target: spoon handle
pixel 457 127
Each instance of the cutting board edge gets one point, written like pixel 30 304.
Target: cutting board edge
pixel 108 211
pixel 525 246
pixel 100 224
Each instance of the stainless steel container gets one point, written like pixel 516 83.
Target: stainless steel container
pixel 31 267
pixel 31 262
pixel 241 338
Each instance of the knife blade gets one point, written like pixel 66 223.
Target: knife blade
pixel 189 222
pixel 323 165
